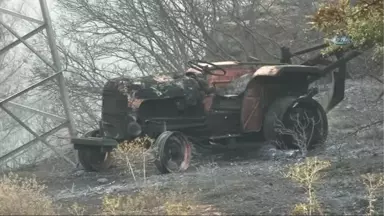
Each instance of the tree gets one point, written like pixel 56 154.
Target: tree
pixel 99 40
pixel 363 22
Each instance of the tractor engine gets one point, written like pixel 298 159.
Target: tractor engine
pixel 118 119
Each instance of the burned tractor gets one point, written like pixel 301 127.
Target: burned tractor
pixel 214 103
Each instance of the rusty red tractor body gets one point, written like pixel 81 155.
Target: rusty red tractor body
pixel 254 99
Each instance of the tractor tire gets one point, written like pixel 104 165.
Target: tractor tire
pixel 92 159
pixel 292 124
pixel 173 152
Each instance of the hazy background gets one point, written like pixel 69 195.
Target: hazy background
pixel 99 40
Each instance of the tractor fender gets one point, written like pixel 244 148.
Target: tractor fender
pixel 279 70
pixel 260 91
pixel 251 108
pixel 266 85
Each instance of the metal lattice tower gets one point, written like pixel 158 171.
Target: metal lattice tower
pixel 55 65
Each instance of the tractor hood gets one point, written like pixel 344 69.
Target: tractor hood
pixel 126 100
pixel 155 87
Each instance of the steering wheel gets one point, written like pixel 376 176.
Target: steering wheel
pixel 195 64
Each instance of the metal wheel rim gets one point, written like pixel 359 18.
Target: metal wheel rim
pixel 177 151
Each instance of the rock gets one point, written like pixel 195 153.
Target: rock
pixel 249 198
pixel 292 153
pixel 79 173
pixel 102 180
pixel 283 154
pixel 267 152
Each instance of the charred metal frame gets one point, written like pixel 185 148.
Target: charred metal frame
pixel 343 56
pixel 55 66
pixel 338 78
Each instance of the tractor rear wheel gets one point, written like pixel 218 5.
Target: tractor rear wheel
pixel 296 124
pixel 173 152
pixel 93 159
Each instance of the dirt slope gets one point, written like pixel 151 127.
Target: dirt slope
pixel 250 181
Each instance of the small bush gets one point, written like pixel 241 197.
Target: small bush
pixel 374 183
pixel 132 155
pixel 23 196
pixel 307 174
pixel 76 209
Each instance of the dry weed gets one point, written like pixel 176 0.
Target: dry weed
pixel 299 133
pixel 374 183
pixel 132 156
pixel 151 201
pixel 307 174
pixel 23 196
pixel 76 209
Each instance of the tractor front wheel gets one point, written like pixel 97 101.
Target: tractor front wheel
pixel 93 159
pixel 173 152
pixel 296 124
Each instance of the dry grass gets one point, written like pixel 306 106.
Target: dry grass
pixel 152 201
pixel 307 174
pixel 374 183
pixel 132 156
pixel 76 209
pixel 23 196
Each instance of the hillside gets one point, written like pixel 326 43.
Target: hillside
pixel 239 181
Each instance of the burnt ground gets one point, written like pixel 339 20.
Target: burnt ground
pixel 250 181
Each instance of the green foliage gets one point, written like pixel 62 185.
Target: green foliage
pixel 363 22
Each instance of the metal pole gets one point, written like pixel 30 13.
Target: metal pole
pixel 26 44
pixel 15 14
pixel 30 88
pixel 37 136
pixel 12 153
pixel 25 37
pixel 57 65
pixel 33 110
